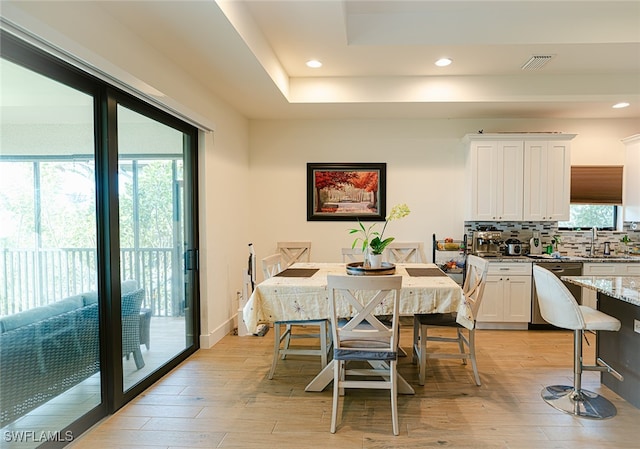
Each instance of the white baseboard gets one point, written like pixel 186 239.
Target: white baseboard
pixel 213 337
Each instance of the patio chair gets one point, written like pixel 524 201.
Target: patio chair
pixel 131 305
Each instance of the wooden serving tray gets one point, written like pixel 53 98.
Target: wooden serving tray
pixel 356 269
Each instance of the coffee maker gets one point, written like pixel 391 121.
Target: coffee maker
pixel 487 243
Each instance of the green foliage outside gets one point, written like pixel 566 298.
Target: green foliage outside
pixel 68 208
pixel 586 216
pixel 155 200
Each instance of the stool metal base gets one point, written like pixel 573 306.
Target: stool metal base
pixel 582 403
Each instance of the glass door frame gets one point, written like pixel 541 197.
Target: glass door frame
pixel 106 98
pixel 110 162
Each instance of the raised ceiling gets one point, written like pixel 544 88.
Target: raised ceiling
pixel 379 56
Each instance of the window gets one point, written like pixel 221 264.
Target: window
pixel 586 216
pixel 596 193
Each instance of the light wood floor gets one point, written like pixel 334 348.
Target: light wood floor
pixel 221 397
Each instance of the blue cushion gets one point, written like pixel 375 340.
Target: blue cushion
pixel 128 286
pixel 90 298
pixel 66 305
pixel 31 316
pixel 354 354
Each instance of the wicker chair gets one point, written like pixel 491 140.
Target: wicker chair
pixel 131 305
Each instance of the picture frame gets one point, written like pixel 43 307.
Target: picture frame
pixel 346 191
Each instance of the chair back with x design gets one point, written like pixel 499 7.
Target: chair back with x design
pixel 293 252
pixel 405 252
pixel 364 337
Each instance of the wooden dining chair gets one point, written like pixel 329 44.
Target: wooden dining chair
pixel 352 255
pixel 405 252
pixel 359 336
pixel 473 290
pixel 271 266
pixel 293 252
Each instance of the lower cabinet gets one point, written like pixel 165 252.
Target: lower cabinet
pixel 506 303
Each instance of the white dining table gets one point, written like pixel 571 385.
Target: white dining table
pixel 300 293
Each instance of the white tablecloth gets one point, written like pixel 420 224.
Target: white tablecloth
pixel 303 298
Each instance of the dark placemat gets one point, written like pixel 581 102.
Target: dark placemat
pixel 425 272
pixel 298 272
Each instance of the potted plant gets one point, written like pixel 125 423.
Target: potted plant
pixel 373 242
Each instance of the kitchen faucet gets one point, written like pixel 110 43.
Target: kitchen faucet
pixel 594 237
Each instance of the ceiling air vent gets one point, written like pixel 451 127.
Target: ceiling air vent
pixel 536 62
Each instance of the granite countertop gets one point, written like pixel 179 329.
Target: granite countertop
pixel 549 258
pixel 624 288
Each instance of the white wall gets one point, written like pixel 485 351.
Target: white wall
pixel 425 169
pixel 82 29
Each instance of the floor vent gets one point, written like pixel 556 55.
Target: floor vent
pixel 536 62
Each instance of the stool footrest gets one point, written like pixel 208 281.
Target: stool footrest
pixel 604 366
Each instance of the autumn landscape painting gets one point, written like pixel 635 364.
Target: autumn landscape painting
pixel 346 191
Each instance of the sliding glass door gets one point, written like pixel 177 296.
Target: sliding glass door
pixel 98 283
pixel 49 315
pixel 152 243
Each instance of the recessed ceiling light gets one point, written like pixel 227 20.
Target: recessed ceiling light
pixel 314 64
pixel 623 104
pixel 443 62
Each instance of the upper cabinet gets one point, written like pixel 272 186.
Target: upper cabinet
pixel 496 180
pixel 547 181
pixel 631 179
pixel 512 177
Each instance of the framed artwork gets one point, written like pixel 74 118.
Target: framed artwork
pixel 346 191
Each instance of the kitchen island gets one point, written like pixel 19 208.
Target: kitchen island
pixel 618 296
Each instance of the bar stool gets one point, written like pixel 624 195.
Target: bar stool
pixel 559 308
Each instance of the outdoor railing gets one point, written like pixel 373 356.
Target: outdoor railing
pixel 30 278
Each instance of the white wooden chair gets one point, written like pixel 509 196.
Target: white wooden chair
pixel 405 252
pixel 271 266
pixel 473 289
pixel 293 252
pixel 352 255
pixel 363 337
pixel 559 307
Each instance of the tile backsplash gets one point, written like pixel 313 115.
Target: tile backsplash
pixel 572 243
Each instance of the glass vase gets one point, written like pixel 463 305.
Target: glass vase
pixel 366 262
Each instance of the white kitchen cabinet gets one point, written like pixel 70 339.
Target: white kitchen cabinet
pixel 547 180
pixel 496 180
pixel 631 179
pixel 514 177
pixel 506 303
pixel 631 269
pixel 590 297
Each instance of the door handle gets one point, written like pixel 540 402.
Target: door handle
pixel 191 259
